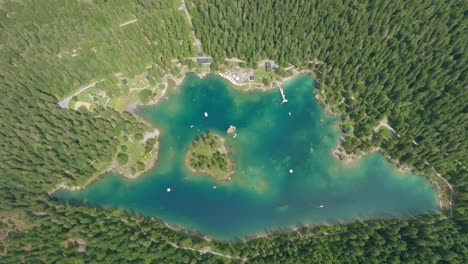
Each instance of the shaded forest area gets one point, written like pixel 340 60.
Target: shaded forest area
pixel 404 61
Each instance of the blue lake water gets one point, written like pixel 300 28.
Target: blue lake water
pixel 263 196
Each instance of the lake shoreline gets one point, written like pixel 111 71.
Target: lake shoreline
pixel 340 154
pixel 291 230
pixel 337 151
pixel 348 158
pixel 116 168
pixel 250 85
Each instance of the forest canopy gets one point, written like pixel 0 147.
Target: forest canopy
pixel 401 60
pixel 404 61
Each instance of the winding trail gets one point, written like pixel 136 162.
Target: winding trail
pixel 187 14
pixel 209 250
pixel 384 123
pixel 183 7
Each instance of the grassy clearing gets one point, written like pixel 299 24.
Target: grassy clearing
pixel 137 82
pixel 261 73
pixel 120 103
pixel 118 95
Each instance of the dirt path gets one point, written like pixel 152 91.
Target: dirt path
pixel 197 43
pixel 187 14
pixel 139 89
pixel 234 60
pixel 384 123
pixel 128 22
pixel 65 101
pixel 210 251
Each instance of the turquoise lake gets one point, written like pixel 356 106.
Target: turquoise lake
pixel 263 196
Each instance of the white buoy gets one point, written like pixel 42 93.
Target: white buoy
pixel 214 187
pixel 191 126
pixel 168 190
pixel 321 206
pixel 291 171
pixel 289 113
pixel 206 114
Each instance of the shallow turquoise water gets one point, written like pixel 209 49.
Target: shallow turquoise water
pixel 262 196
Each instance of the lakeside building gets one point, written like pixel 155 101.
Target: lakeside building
pixel 204 60
pixel 149 77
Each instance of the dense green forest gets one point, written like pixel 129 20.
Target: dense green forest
pixel 401 60
pixel 404 61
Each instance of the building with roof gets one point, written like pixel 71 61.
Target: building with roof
pixel 204 60
pixel 149 77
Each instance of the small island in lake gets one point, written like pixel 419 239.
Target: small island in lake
pixel 207 154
